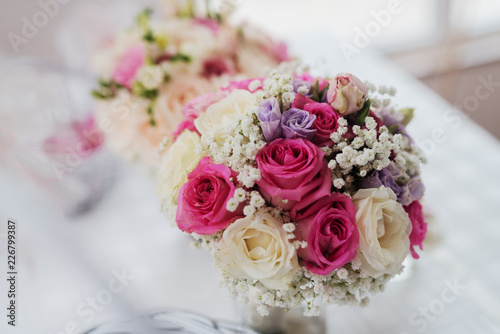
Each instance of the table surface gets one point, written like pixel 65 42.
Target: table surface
pixel 453 287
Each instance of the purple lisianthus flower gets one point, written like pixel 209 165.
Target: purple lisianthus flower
pixel 394 119
pixel 269 115
pixel 324 99
pixel 297 83
pixel 385 177
pixel 297 123
pixel 412 191
pixel 406 193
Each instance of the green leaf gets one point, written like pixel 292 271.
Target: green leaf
pixel 106 89
pixel 150 111
pixel 218 17
pixel 315 87
pixel 180 57
pixel 315 97
pixel 241 33
pixel 143 18
pixel 151 116
pixel 314 91
pixel 161 41
pixel 188 10
pixel 139 90
pixel 407 115
pixel 392 129
pixel 148 36
pixel 98 95
pixel 363 113
pixel 323 92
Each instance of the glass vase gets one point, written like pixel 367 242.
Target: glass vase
pixel 282 321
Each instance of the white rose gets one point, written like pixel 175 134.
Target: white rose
pixel 257 248
pixel 218 116
pixel 384 231
pixel 179 160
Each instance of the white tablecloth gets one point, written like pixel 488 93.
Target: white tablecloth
pixel 66 261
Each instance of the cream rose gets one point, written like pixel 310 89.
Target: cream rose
pixel 173 96
pixel 384 230
pixel 126 124
pixel 257 248
pixel 219 115
pixel 178 161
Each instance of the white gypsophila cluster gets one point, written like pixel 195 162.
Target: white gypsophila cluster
pixel 380 96
pixel 370 149
pixel 279 85
pixel 170 211
pixel 254 85
pixel 345 286
pixel 409 157
pixel 243 141
pixel 255 202
pixel 208 242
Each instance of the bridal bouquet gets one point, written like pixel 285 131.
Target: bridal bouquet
pixel 304 189
pixel 150 71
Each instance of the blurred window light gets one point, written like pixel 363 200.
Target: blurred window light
pixel 475 17
pixel 421 20
pixel 424 36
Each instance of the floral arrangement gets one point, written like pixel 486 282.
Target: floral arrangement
pixel 304 189
pixel 150 71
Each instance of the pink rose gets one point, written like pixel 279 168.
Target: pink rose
pixel 418 226
pixel 82 137
pixel 208 23
pixel 185 125
pixel 200 104
pixel 243 84
pixel 129 64
pixel 293 173
pixel 278 50
pixel 217 66
pixel 300 101
pixel 325 122
pixel 309 78
pixel 347 94
pixel 329 227
pixel 202 200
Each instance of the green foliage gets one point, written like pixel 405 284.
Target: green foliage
pixel 363 112
pixel 407 115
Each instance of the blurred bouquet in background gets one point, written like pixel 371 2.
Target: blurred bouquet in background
pixel 304 189
pixel 150 71
pixel 48 133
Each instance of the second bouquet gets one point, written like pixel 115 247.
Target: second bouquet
pixel 150 71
